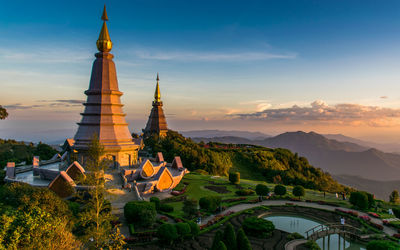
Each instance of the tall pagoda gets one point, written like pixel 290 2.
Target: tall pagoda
pixel 157 124
pixel 103 116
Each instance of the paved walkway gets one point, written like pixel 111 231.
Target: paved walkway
pixel 291 245
pixel 241 207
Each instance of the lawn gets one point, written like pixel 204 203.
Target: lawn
pixel 196 189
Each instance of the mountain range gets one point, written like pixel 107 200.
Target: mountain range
pixel 340 158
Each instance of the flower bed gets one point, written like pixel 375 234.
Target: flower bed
pixel 365 217
pixel 374 214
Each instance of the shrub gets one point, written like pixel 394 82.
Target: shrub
pixel 299 191
pixel 294 236
pixel 167 233
pixel 131 229
pixel 201 172
pixel 217 239
pixel 74 207
pixel 280 190
pixel 229 237
pixel 156 201
pixel 258 227
pixel 245 192
pixel 190 207
pixel 166 208
pixel 359 200
pixel 312 245
pixel 141 213
pixel 210 203
pixel 396 211
pixel 242 242
pixel 194 228
pixel 234 178
pixel 183 229
pixel 262 190
pixel 382 245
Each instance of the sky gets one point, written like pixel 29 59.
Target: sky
pixel 268 66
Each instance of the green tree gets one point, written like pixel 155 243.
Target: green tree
pixel 218 236
pixel 3 113
pixel 190 207
pixel 221 246
pixel 359 200
pixel 35 229
pixel 96 218
pixel 210 203
pixel 234 178
pixel 280 190
pixel 262 190
pixel 229 237
pixel 243 242
pixel 394 197
pixel 299 191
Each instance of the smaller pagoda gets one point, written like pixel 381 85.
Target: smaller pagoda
pixel 157 124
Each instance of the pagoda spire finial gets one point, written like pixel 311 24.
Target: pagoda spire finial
pixel 104 43
pixel 157 94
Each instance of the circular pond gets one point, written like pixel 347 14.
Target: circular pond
pixel 294 223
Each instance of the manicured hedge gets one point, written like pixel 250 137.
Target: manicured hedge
pixel 382 245
pixel 234 178
pixel 258 227
pixel 210 203
pixel 156 201
pixel 167 233
pixel 166 208
pixel 141 213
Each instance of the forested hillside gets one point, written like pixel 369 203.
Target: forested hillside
pixel 273 165
pixel 14 151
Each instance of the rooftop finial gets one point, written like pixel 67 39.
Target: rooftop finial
pixel 104 43
pixel 104 17
pixel 157 94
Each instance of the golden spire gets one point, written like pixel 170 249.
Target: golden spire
pixel 157 94
pixel 104 43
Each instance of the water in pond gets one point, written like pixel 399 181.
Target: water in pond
pixel 294 223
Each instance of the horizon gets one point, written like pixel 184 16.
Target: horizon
pixel 324 68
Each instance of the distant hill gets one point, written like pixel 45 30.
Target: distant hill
pixel 385 147
pixel 381 189
pixel 224 133
pixel 253 162
pixel 338 158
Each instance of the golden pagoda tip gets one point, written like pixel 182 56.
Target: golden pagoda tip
pixel 104 17
pixel 158 78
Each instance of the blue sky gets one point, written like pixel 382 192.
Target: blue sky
pixel 222 64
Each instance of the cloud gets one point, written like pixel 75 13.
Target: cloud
pixel 20 106
pixel 260 105
pixel 212 56
pixel 48 103
pixel 384 97
pixel 321 112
